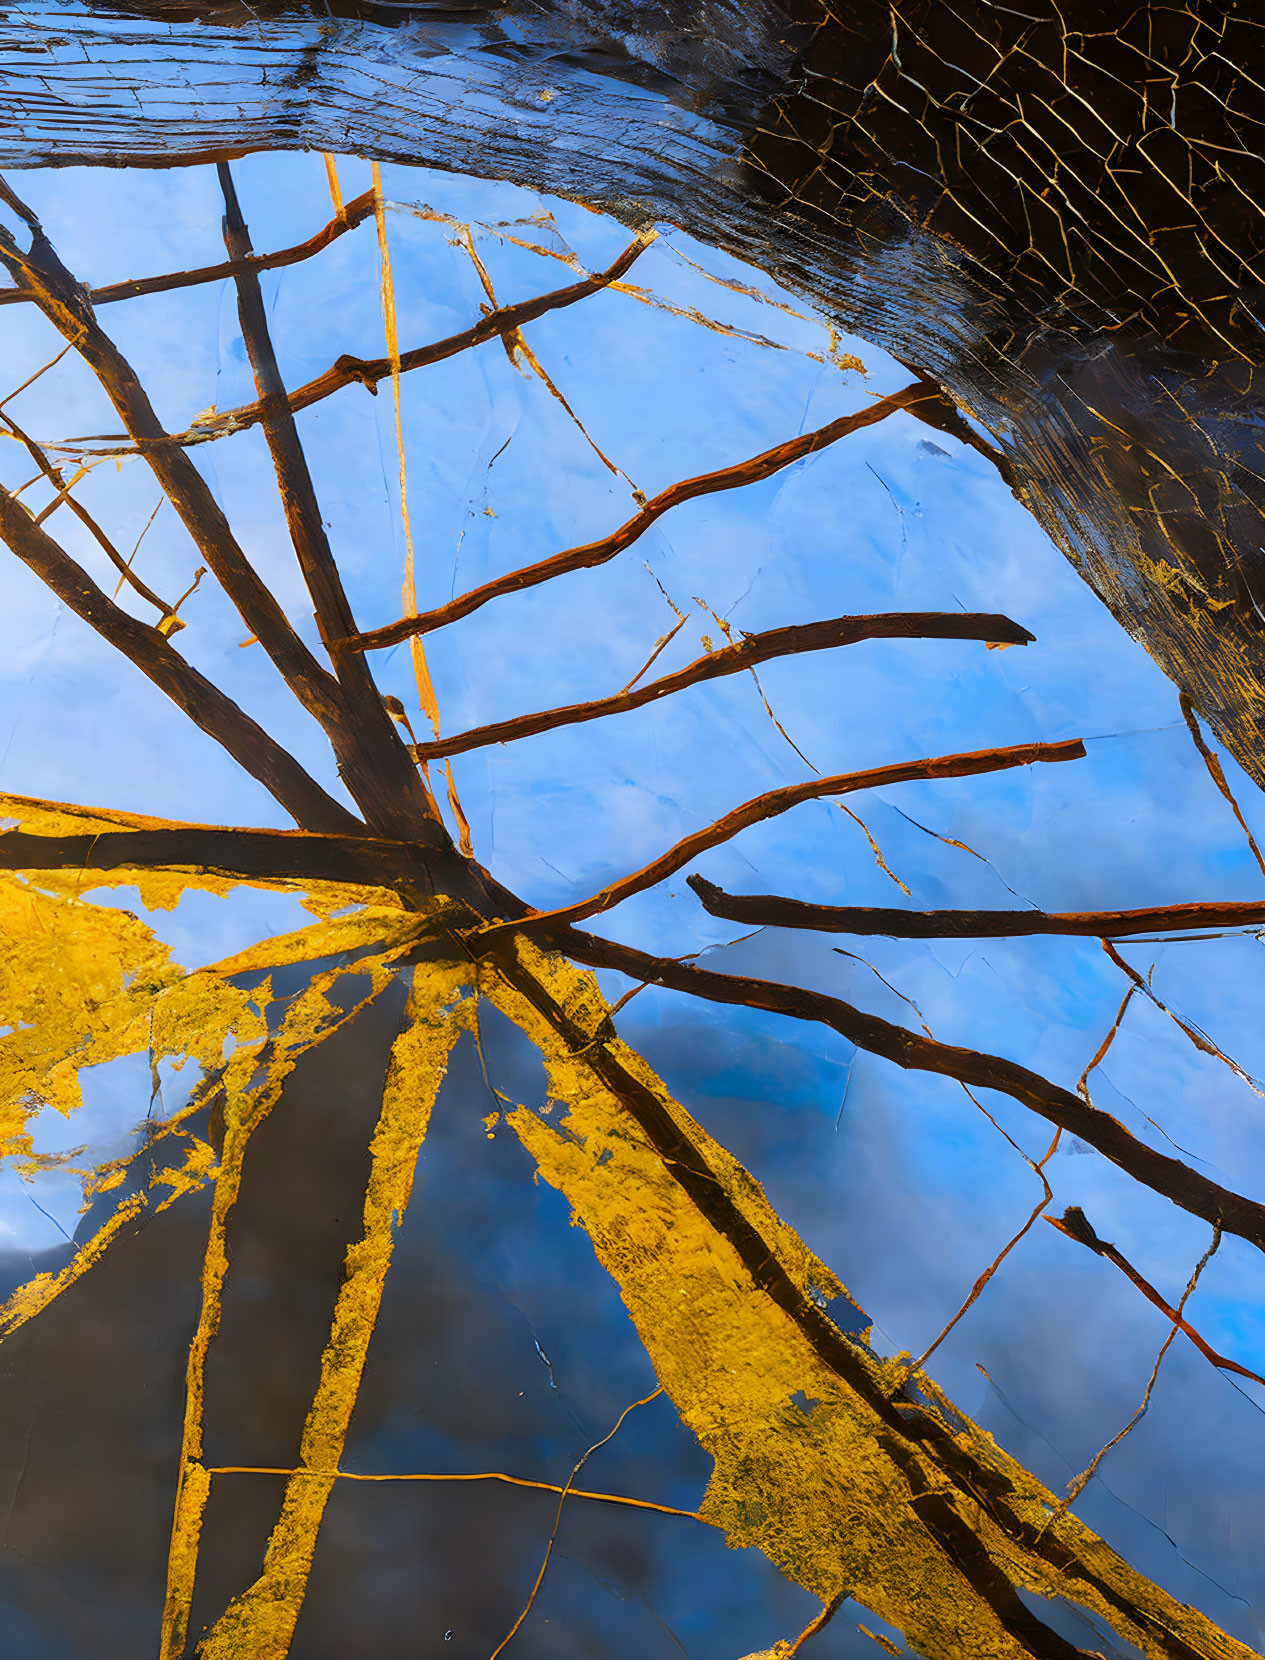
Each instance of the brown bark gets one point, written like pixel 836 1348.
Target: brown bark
pixel 751 471
pixel 765 910
pixel 736 659
pixel 1188 1188
pixel 774 802
pixel 217 715
pixel 372 758
pixel 360 208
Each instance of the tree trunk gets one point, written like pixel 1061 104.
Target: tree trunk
pixel 1059 226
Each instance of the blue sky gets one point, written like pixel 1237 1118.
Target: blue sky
pixel 897 1180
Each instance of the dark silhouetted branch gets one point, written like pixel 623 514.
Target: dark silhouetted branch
pixel 368 371
pixel 1187 1188
pixel 751 471
pixel 217 715
pixel 64 302
pixel 354 212
pixel 1076 1225
pixel 766 910
pixel 246 854
pixel 979 1482
pixel 372 758
pixel 733 659
pixel 780 801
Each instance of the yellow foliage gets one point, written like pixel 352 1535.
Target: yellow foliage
pixel 261 1621
pixel 809 1464
pixel 806 1466
pixel 77 983
pixel 82 984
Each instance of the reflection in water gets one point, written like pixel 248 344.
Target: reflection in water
pixel 504 1347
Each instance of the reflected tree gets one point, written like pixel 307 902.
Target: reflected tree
pixel 883 1491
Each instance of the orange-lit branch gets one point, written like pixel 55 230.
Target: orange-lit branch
pixel 750 471
pixel 355 211
pixel 780 801
pixel 1076 1225
pixel 734 659
pixel 368 371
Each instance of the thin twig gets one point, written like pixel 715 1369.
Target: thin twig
pixel 426 696
pixel 369 371
pixel 1200 1039
pixel 773 911
pixel 118 587
pixel 515 344
pixel 751 471
pixel 476 1475
pixel 816 1624
pixel 734 659
pixel 1037 1168
pixel 217 715
pixel 1047 1195
pixel 31 379
pixel 1076 1225
pixel 660 646
pixel 557 1522
pixel 779 801
pixel 1077 1486
pixel 54 475
pixel 875 849
pixel 1215 772
pixel 354 212
pixel 885 1643
pixel 1100 1054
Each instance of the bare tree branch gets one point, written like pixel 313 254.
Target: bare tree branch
pixel 734 659
pixel 368 371
pixel 54 476
pixel 751 471
pixel 1217 774
pixel 945 416
pixel 976 1482
pixel 1187 1188
pixel 221 850
pixel 372 758
pixel 354 212
pixel 1076 1225
pixel 765 910
pixel 774 802
pixel 217 715
pixel 1078 1484
pixel 63 301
